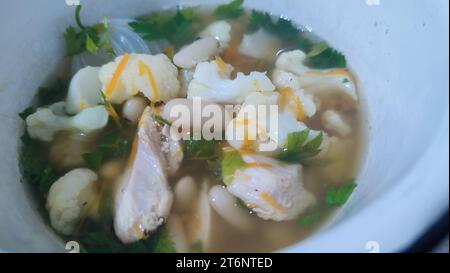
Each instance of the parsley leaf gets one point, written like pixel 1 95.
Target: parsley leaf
pixel 39 173
pixel 282 28
pixel 112 145
pixel 162 121
pixel 339 195
pixel 231 162
pixel 231 10
pixel 56 91
pixel 310 219
pixel 198 246
pixel 322 57
pixel 297 150
pixel 163 242
pixel 25 113
pixel 177 28
pixel 88 38
pixel 200 149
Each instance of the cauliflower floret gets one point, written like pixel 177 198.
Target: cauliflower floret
pixel 199 51
pixel 212 82
pixel 153 75
pixel 69 199
pixel 44 123
pixel 251 131
pixel 84 90
pixel 272 189
pixel 291 72
pixel 219 30
pixel 260 45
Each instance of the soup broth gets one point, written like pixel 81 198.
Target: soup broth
pixel 328 175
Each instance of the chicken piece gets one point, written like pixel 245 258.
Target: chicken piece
pixel 153 75
pixel 144 199
pixel 70 198
pixel 291 72
pixel 212 82
pixel 44 123
pixel 267 186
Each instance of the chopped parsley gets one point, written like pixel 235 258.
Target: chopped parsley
pixel 178 28
pixel 87 38
pixel 112 145
pixel 298 149
pixel 231 162
pixel 200 149
pixel 337 196
pixel 231 10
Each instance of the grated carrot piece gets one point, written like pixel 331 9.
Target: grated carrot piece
pixel 113 83
pixel 221 64
pixel 143 68
pixel 287 97
pixel 272 201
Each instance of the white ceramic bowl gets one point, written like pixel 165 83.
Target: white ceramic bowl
pixel 399 50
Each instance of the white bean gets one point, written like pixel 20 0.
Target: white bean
pixel 133 108
pixel 177 233
pixel 199 51
pixel 185 192
pixel 225 205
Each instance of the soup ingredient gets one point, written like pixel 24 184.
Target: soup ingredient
pixel 254 131
pixel 44 123
pixel 111 146
pixel 260 45
pixel 84 90
pixel 212 82
pixel 52 93
pixel 231 10
pixel 143 201
pixel 153 75
pixel 298 148
pixel 226 206
pixel 334 122
pixel 178 29
pixel 200 227
pixel 199 51
pixel 185 192
pixel 283 28
pixel 219 30
pixel 339 195
pixel 311 218
pixel 200 149
pixel 217 122
pixel 38 172
pixel 171 148
pixel 322 56
pixel 67 149
pixel 185 77
pixel 291 71
pixel 133 108
pixel 270 188
pixel 177 234
pixel 70 198
pixel 88 38
pixel 296 101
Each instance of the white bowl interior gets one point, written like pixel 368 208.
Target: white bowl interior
pixel 398 49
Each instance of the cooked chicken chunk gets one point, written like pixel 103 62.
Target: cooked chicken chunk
pixel 144 199
pixel 270 188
